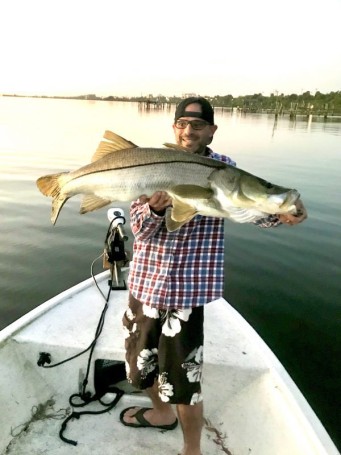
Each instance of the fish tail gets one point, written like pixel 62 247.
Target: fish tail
pixel 57 205
pixel 51 185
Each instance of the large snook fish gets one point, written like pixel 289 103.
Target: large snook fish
pixel 122 171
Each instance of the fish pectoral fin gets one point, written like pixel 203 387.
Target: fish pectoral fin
pixel 173 225
pixel 175 147
pixel 112 143
pixel 192 192
pixel 91 203
pixel 182 212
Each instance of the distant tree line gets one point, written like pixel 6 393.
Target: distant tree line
pixel 319 102
pixel 306 102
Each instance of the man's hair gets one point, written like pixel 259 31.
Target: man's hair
pixel 206 113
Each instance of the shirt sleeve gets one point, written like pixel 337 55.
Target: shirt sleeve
pixel 143 221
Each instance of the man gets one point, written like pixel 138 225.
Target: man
pixel 172 276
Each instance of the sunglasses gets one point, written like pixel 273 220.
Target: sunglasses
pixel 195 124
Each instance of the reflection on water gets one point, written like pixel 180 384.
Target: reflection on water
pixel 285 281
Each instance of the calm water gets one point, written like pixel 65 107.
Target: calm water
pixel 285 281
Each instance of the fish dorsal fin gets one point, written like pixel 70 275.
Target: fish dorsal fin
pixel 103 149
pixel 91 203
pixel 112 143
pixel 119 140
pixel 192 192
pixel 175 147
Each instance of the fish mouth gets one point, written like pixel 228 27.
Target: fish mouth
pixel 289 202
pixel 283 202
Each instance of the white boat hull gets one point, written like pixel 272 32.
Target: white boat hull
pixel 251 404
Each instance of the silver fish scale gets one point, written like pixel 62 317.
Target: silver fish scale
pixel 139 157
pixel 128 183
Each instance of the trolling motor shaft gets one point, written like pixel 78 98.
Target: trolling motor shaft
pixel 115 256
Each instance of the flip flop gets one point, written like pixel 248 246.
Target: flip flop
pixel 142 422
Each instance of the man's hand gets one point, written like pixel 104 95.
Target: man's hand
pixel 158 201
pixel 291 219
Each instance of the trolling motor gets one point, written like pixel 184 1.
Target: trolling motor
pixel 115 256
pixel 107 373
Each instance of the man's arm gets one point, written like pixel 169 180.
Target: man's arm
pixel 147 214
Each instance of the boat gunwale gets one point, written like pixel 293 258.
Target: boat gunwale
pixel 13 328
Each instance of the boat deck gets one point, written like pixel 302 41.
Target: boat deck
pixel 104 434
pixel 248 396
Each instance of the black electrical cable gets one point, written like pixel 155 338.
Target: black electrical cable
pixel 45 357
pixel 83 395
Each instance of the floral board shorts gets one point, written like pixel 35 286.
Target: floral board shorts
pixel 167 346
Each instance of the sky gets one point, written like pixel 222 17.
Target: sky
pixel 142 47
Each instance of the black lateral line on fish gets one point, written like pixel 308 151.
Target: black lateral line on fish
pixel 153 163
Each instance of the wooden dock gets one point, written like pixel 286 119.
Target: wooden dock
pixel 294 110
pixel 153 104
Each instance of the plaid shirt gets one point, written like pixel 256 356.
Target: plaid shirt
pixel 181 269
